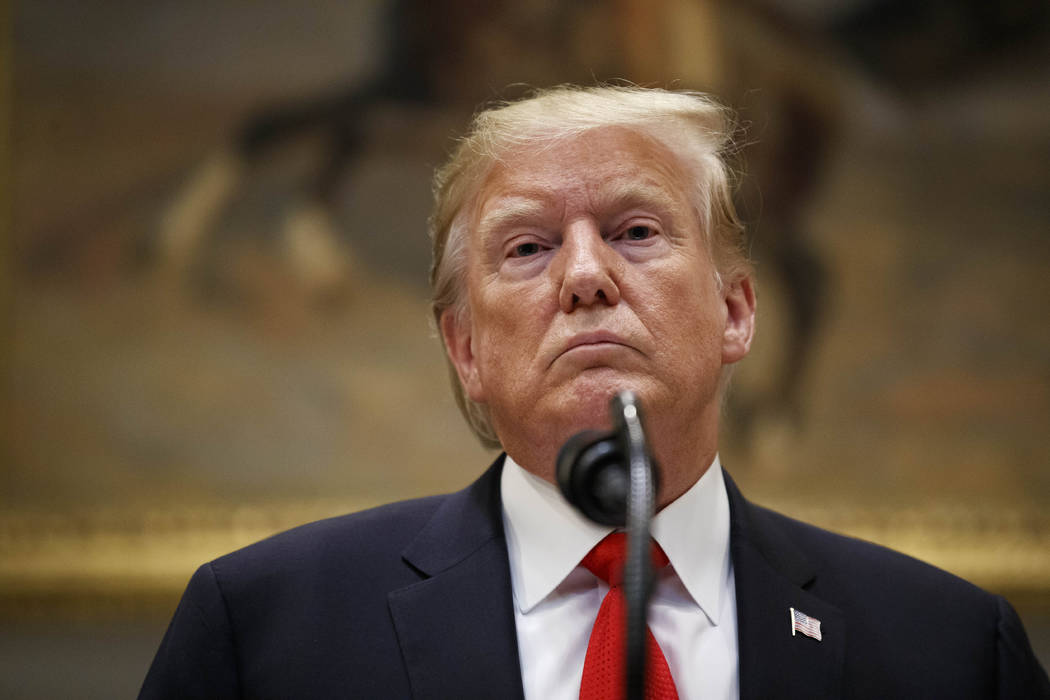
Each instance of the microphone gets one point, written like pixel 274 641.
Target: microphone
pixel 609 477
pixel 592 474
pixel 592 467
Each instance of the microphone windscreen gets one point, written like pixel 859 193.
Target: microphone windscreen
pixel 592 475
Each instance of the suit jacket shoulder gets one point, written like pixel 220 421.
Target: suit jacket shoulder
pixel 892 626
pixel 339 545
pixel 404 600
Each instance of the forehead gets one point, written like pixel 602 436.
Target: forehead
pixel 595 170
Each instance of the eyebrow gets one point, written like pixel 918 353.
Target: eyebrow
pixel 638 193
pixel 513 209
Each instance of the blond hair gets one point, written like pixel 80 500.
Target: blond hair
pixel 691 125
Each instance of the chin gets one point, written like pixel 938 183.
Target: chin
pixel 587 404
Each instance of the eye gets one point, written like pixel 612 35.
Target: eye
pixel 524 250
pixel 639 233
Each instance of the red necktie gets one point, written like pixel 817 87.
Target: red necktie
pixel 604 672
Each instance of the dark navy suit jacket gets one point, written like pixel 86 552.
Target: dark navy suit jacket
pixel 413 600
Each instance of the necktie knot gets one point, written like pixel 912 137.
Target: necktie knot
pixel 606 559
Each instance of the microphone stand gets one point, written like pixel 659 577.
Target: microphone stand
pixel 609 477
pixel 637 573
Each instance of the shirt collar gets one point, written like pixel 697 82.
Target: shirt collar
pixel 547 538
pixel 693 531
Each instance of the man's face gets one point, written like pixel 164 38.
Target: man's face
pixel 587 274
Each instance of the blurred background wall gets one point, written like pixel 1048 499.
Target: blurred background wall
pixel 215 260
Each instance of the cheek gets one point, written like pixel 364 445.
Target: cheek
pixel 691 320
pixel 498 331
pixel 687 292
pixel 514 313
pixel 502 347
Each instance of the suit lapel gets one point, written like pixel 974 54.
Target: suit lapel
pixel 773 576
pixel 456 626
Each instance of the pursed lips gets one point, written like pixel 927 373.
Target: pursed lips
pixel 592 338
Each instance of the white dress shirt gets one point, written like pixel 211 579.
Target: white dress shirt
pixel 692 612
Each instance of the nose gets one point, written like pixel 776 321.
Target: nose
pixel 589 271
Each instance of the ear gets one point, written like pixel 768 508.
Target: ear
pixel 458 336
pixel 740 319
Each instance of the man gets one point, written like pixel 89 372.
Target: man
pixel 585 242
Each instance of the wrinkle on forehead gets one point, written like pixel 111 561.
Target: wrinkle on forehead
pixel 604 198
pixel 635 171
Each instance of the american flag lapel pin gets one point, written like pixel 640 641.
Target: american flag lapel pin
pixel 801 622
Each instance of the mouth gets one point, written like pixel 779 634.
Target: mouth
pixel 595 342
